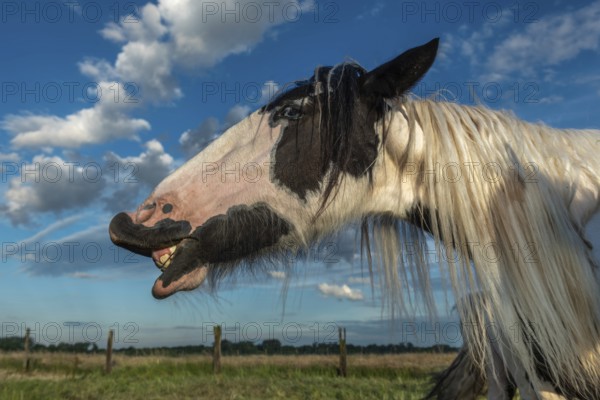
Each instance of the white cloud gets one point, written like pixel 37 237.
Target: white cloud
pixel 84 275
pixel 145 60
pixel 525 52
pixel 9 157
pixel 549 41
pixel 98 69
pixel 269 90
pixel 204 32
pixel 137 173
pixel 194 140
pixel 185 33
pixel 278 274
pixel 446 47
pixel 149 66
pixel 168 35
pixel 150 167
pixel 146 27
pixel 56 226
pixel 105 121
pixel 340 292
pixel 235 115
pixel 51 184
pixel 471 46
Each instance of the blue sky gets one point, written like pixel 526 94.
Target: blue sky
pixel 101 100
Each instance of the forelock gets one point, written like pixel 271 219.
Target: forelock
pixel 325 80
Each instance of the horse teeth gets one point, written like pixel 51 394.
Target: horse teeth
pixel 163 259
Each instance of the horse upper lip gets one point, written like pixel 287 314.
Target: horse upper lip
pixel 144 240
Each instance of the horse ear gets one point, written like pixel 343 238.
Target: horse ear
pixel 397 76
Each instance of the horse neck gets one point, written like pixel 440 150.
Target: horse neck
pixel 443 139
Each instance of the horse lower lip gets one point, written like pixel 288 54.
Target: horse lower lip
pixel 187 281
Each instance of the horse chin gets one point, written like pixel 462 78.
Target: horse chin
pixel 188 281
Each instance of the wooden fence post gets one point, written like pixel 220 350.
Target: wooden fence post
pixel 343 360
pixel 27 361
pixel 217 350
pixel 109 347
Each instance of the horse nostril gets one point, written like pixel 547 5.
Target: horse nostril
pixel 145 212
pixel 167 208
pixel 149 206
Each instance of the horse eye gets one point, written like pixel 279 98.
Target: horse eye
pixel 291 113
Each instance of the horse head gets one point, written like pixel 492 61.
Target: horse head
pixel 301 166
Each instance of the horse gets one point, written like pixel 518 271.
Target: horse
pixel 508 199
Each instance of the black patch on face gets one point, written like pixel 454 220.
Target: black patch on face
pixel 243 232
pixel 299 164
pixel 328 130
pixel 167 208
pixel 143 240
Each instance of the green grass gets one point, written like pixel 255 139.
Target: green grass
pixel 253 377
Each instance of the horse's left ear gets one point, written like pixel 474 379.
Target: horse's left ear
pixel 397 76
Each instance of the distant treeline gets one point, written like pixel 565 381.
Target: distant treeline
pixel 228 348
pixel 15 343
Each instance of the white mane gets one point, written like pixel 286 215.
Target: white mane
pixel 523 229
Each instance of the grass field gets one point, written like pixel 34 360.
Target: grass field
pixel 66 376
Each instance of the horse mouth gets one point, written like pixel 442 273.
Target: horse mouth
pixel 185 255
pixel 162 258
pixel 175 275
pixel 170 246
